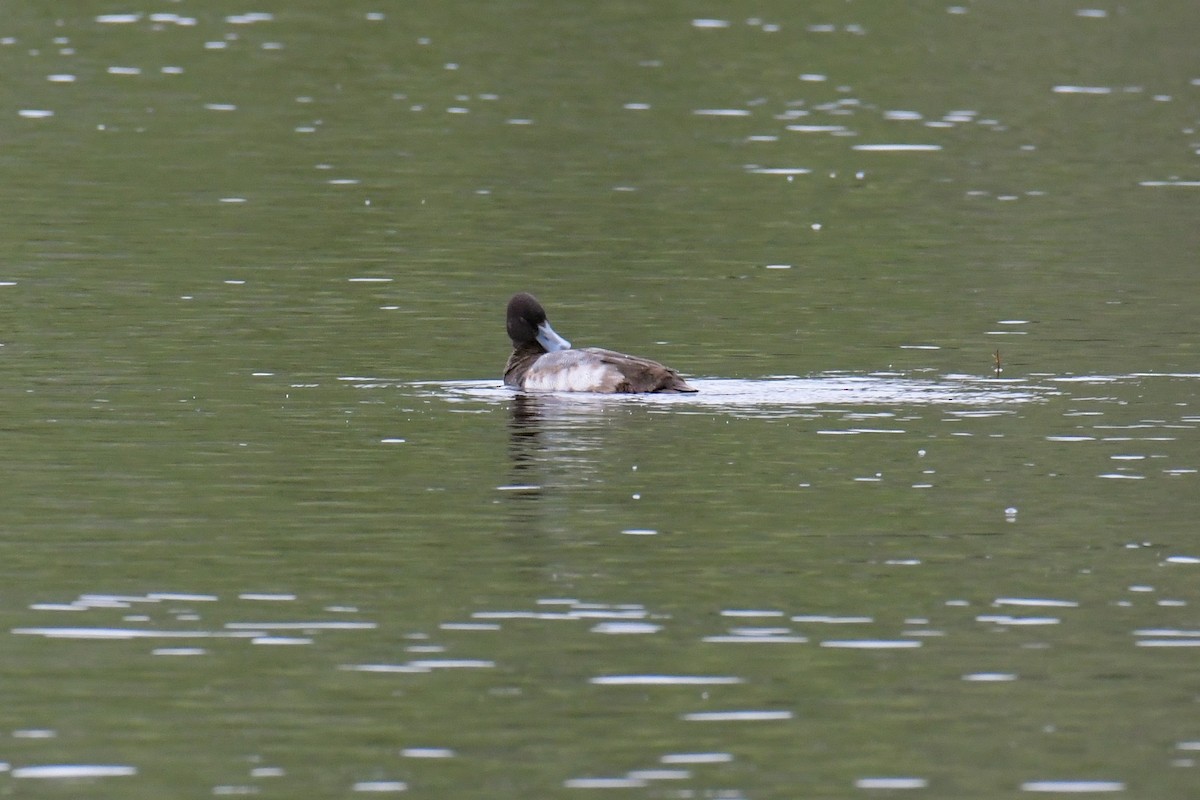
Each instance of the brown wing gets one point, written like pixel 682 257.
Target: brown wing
pixel 641 374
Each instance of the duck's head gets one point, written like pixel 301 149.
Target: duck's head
pixel 527 323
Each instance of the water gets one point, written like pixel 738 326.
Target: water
pixel 272 525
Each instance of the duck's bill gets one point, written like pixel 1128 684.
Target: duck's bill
pixel 550 340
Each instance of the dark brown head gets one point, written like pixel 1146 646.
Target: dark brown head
pixel 527 324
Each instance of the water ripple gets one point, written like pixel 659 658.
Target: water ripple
pixel 772 396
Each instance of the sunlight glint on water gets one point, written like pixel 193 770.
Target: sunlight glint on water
pixel 942 467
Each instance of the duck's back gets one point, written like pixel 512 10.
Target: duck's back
pixel 641 374
pixel 594 369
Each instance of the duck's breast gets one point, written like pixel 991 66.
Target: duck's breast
pixel 572 371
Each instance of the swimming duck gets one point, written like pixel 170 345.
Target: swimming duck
pixel 544 361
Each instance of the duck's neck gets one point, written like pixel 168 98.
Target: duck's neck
pixel 520 361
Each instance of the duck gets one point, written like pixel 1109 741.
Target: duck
pixel 543 361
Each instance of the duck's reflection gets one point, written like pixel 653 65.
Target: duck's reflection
pixel 524 431
pixel 553 445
